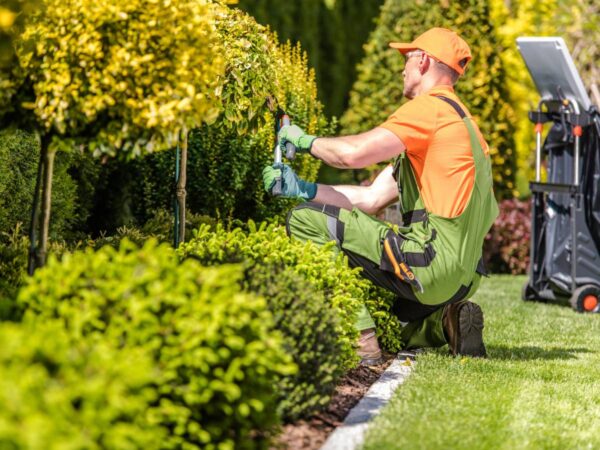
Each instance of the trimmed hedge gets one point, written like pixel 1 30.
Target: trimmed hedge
pixel 57 394
pixel 226 158
pixel 217 357
pixel 308 325
pixel 378 91
pixel 333 33
pixel 344 288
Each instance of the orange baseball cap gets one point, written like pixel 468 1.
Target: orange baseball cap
pixel 444 45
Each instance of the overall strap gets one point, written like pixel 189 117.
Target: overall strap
pixel 455 105
pixel 480 265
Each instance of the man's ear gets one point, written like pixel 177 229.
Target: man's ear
pixel 424 63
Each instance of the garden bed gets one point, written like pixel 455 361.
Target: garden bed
pixel 312 433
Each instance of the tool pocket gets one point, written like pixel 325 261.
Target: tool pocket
pixel 393 259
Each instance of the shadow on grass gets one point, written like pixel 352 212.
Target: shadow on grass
pixel 528 353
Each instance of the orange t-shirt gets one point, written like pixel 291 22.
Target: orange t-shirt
pixel 438 148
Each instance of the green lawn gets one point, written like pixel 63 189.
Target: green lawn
pixel 538 389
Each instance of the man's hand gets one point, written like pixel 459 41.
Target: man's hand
pixel 297 136
pixel 291 185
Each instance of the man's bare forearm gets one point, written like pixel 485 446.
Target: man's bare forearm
pixel 370 199
pixel 342 196
pixel 357 151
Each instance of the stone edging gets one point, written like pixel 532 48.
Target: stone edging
pixel 351 434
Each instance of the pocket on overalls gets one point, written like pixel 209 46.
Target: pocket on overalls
pixel 393 259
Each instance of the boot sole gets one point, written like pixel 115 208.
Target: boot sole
pixel 470 331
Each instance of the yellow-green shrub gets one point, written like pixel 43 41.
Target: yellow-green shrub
pixel 378 90
pixel 57 393
pixel 226 158
pixel 216 356
pixel 121 75
pixel 344 289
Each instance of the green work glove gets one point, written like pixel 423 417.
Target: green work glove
pixel 297 136
pixel 291 185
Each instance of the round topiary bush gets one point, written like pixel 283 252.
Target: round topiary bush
pixel 213 346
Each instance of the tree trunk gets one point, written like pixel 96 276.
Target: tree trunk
pixel 35 211
pixel 175 200
pixel 46 204
pixel 181 182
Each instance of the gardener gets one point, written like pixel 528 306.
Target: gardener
pixel 442 177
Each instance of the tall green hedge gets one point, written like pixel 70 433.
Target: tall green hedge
pixel 215 354
pixel 226 158
pixel 378 91
pixel 19 157
pixel 332 32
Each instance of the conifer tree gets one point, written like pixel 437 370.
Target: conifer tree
pixel 378 90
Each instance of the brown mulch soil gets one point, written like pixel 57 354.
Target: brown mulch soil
pixel 312 433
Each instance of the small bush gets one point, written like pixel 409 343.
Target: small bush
pixel 217 356
pixel 57 394
pixel 14 250
pixel 344 288
pixel 506 247
pixel 309 326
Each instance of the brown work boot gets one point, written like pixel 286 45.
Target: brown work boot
pixel 368 348
pixel 463 327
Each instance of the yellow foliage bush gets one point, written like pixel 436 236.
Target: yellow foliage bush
pixel 125 76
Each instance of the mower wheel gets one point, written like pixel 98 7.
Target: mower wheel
pixel 527 292
pixel 586 299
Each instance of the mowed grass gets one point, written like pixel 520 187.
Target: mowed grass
pixel 538 389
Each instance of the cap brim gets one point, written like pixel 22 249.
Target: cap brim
pixel 402 48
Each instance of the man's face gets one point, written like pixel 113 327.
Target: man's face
pixel 411 72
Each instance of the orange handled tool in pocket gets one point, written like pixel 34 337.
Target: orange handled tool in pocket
pixel 401 269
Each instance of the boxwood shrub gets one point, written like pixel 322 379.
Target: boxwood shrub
pixel 58 394
pixel 322 267
pixel 213 345
pixel 309 326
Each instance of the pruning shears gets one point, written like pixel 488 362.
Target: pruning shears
pixel 281 120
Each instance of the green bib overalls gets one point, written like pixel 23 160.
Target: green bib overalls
pixel 443 254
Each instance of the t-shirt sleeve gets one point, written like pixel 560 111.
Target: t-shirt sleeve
pixel 414 123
